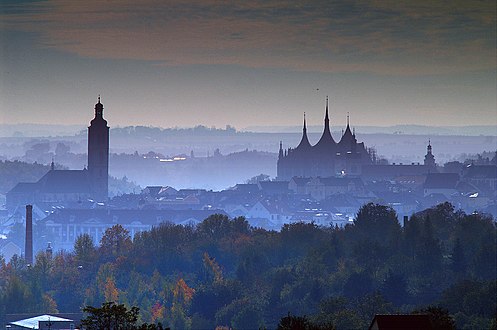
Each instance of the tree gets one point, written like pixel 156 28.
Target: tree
pixel 116 241
pixel 440 318
pixel 394 288
pixel 84 249
pixel 358 285
pixel 110 316
pixel 458 260
pixel 376 222
pixel 292 322
pixel 256 179
pixel 114 317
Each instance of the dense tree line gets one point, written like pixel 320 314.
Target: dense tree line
pixel 225 273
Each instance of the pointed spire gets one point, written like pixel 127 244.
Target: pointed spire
pixel 280 154
pixel 304 143
pixel 326 141
pixel 348 137
pixel 326 117
pixel 305 126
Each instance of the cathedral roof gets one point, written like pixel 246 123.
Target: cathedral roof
pixel 304 142
pixel 326 141
pixel 348 138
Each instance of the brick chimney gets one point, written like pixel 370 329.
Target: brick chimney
pixel 28 251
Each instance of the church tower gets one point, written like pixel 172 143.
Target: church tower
pixel 429 158
pixel 98 154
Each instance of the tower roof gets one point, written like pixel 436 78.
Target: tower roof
pixel 347 136
pixel 99 113
pixel 326 141
pixel 304 142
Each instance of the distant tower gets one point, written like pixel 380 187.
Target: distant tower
pixel 98 154
pixel 429 158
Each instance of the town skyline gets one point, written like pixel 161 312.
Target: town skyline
pixel 248 64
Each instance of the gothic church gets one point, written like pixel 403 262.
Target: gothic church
pixel 326 158
pixel 66 186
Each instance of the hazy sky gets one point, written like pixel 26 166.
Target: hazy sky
pixel 246 63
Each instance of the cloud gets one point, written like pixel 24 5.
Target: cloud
pixel 386 37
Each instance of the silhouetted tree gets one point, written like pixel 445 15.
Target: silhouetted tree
pixel 376 222
pixel 440 318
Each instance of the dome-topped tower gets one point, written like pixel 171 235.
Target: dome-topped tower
pixel 98 154
pixel 429 158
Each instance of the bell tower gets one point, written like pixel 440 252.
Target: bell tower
pixel 429 158
pixel 98 154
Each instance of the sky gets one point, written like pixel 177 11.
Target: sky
pixel 248 63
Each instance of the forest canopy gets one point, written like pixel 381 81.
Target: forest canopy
pixel 226 273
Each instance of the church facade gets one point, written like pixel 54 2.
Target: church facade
pixel 327 158
pixel 72 186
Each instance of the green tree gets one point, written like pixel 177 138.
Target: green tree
pixel 110 317
pixel 458 259
pixel 376 222
pixel 293 322
pixel 115 241
pixel 84 248
pixel 394 288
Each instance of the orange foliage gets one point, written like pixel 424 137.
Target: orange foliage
pixel 214 267
pixel 182 292
pixel 110 292
pixel 157 311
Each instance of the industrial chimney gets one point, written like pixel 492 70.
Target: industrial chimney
pixel 29 235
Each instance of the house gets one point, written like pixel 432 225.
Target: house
pixel 484 177
pixel 273 211
pixel 8 249
pixel 298 185
pixel 65 225
pixel 42 322
pixel 441 183
pixel 345 204
pixel 401 321
pixel 271 188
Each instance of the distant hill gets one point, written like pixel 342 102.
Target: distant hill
pixel 488 130
pixel 42 130
pixel 38 130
